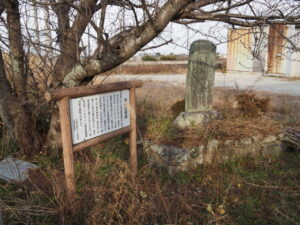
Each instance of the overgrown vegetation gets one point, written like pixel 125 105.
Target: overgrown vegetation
pixel 241 191
pixel 244 191
pixel 246 119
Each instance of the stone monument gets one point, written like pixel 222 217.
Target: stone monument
pixel 199 86
pixel 198 112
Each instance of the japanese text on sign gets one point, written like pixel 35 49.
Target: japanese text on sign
pixel 100 114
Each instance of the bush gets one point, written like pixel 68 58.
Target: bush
pixel 178 107
pixel 168 57
pixel 252 106
pixel 148 58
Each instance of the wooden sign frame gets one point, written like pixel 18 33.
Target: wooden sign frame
pixel 64 95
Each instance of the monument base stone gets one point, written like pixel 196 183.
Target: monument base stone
pixel 194 119
pixel 175 159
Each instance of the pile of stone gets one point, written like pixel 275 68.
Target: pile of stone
pixel 175 159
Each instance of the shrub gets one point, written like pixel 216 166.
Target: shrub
pixel 178 107
pixel 168 58
pixel 252 106
pixel 148 58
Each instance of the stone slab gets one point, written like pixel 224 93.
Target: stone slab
pixel 14 170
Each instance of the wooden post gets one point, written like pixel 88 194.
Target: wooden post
pixel 66 133
pixel 132 135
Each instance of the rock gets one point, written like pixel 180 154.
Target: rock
pixel 14 170
pixel 246 141
pixel 197 155
pixel 176 159
pixel 185 120
pixel 172 158
pixel 256 138
pixel 194 152
pixel 194 119
pixel 269 139
pixel 281 136
pixel 228 142
pixel 272 149
pixel 212 145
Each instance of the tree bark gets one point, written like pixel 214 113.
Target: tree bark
pixel 69 37
pixel 14 109
pixel 17 116
pixel 16 48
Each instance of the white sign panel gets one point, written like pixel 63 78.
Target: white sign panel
pixel 95 115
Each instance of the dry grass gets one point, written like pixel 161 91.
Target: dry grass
pixel 157 68
pixel 252 106
pixel 149 69
pixel 244 191
pixel 162 131
pixel 156 123
pixel 235 129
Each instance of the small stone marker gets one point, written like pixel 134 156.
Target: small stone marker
pixel 199 86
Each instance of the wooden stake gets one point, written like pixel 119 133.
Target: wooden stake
pixel 132 135
pixel 65 125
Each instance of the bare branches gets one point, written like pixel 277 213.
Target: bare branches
pixel 126 43
pixel 157 46
pixel 242 20
pixel 117 29
pixel 249 17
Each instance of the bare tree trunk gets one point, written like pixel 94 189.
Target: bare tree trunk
pixel 16 48
pixel 14 108
pixel 17 117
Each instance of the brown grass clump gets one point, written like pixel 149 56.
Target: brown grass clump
pixel 178 107
pixel 235 129
pixel 229 129
pixel 252 106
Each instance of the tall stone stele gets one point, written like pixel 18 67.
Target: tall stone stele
pixel 199 86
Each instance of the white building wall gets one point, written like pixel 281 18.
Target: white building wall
pixel 244 43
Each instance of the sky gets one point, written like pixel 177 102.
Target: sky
pixel 183 37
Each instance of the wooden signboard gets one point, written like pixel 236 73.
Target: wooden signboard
pixel 92 114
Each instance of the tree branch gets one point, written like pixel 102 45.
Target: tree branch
pixel 126 44
pixel 157 46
